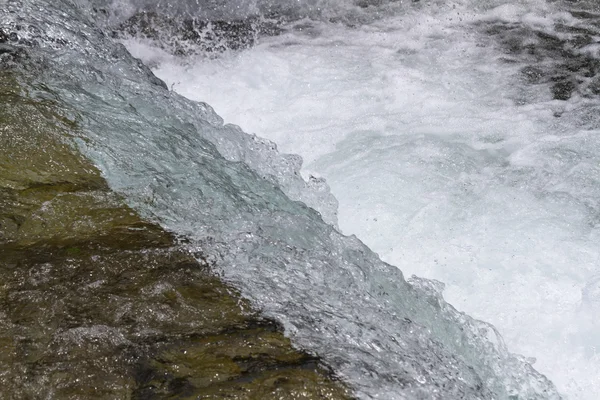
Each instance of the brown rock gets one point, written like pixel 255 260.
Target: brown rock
pixel 97 303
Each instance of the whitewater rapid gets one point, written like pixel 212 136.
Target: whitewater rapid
pixel 443 161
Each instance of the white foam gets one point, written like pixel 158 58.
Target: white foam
pixel 418 130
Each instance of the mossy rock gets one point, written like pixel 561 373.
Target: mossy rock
pixel 97 303
pixel 276 385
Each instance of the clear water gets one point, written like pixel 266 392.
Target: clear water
pixel 443 160
pixel 455 181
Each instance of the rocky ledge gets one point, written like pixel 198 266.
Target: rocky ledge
pixel 97 303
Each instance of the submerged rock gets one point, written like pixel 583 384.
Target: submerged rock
pixel 563 89
pixel 97 303
pixel 561 58
pixel 191 35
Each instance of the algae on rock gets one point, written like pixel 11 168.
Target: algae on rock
pixel 97 303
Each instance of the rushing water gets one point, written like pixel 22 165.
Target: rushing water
pixel 446 154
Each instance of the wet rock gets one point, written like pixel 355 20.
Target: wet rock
pixel 6 49
pixel 581 41
pixel 369 3
pixel 555 57
pixel 224 367
pixel 185 36
pixel 563 90
pixel 594 86
pixel 11 55
pixel 101 11
pixel 585 13
pixel 582 66
pixel 97 303
pixel 532 74
pixel 150 75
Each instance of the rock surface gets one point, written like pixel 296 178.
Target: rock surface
pixel 562 57
pixel 183 36
pixel 97 303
